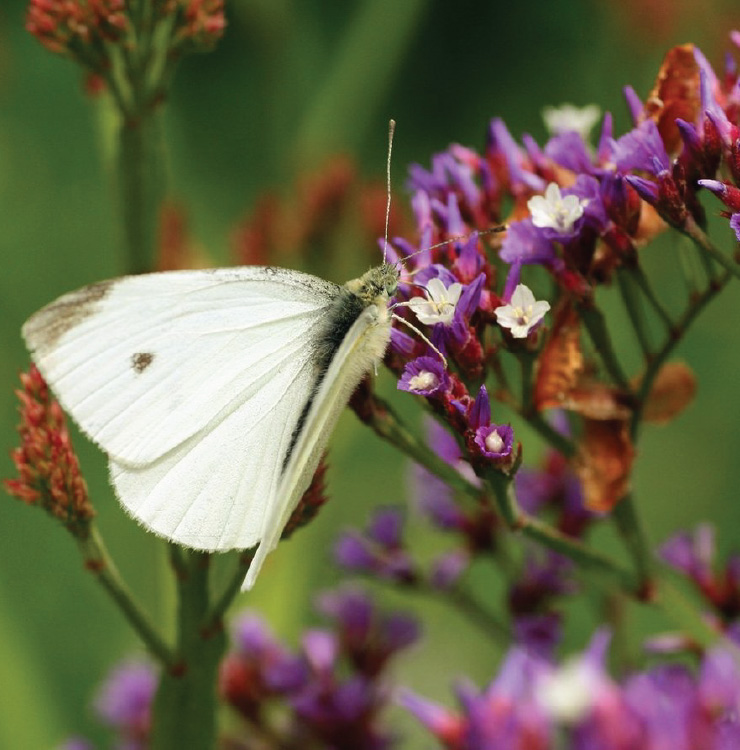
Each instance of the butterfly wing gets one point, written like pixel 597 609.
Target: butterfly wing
pixel 193 383
pixel 360 350
pixel 143 363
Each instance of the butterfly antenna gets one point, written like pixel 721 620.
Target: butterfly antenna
pixel 391 129
pixel 490 230
pixel 412 327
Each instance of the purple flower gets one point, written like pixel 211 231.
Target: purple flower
pixel 569 150
pixel 735 225
pixel 641 149
pixel 386 528
pixel 502 146
pixel 321 650
pixel 538 634
pixel 125 698
pixel 379 550
pixel 633 103
pixel 495 441
pixel 442 723
pixel 525 244
pixel 479 414
pixel 368 637
pixel 544 577
pixel 354 553
pixel 425 376
pixel 691 553
pixel 447 569
pixel 469 264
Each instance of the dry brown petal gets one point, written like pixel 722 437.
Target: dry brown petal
pixel 673 390
pixel 603 463
pixel 595 400
pixel 561 362
pixel 675 94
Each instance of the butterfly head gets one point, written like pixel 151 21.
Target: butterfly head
pixel 378 285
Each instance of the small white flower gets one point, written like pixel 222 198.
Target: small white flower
pixel 569 692
pixel 555 211
pixel 439 306
pixel 522 313
pixel 568 118
pixel 424 381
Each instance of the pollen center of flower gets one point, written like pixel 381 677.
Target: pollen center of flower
pixel 523 315
pixel 494 443
pixel 423 381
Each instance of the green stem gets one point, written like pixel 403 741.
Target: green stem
pixel 556 439
pixel 99 562
pixel 184 713
pixel 502 488
pixel 468 606
pixel 637 274
pixel 633 306
pixel 141 179
pixel 214 618
pixel 595 324
pixel 632 532
pixel 692 230
pixel 379 415
pixel 695 306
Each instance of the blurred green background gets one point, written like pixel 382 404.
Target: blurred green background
pixel 291 84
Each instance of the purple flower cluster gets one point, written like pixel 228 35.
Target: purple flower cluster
pixel 693 554
pixel 331 693
pixel 535 704
pixel 579 211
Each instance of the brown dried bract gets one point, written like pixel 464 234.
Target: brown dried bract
pixel 561 362
pixel 675 94
pixel 594 400
pixel 673 390
pixel 604 462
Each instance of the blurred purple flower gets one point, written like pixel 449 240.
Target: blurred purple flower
pixel 124 702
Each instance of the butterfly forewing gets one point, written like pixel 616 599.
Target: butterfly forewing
pixel 144 363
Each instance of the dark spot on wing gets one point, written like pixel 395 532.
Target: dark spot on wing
pixel 44 329
pixel 141 360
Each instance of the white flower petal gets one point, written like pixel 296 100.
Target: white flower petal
pixel 523 313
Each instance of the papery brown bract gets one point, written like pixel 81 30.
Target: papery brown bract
pixel 603 462
pixel 594 400
pixel 673 390
pixel 675 94
pixel 561 363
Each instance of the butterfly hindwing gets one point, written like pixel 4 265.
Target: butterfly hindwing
pixel 360 350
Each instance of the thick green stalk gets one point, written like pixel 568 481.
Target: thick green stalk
pixel 184 714
pixel 140 172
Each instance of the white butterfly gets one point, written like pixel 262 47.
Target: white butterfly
pixel 213 393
